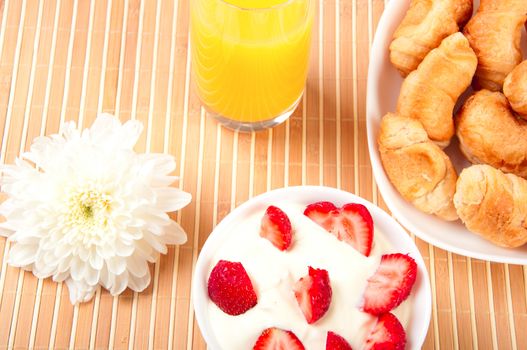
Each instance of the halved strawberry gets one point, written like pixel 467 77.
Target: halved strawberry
pixel 230 288
pixel 388 334
pixel 352 223
pixel 278 339
pixel 391 284
pixel 313 294
pixel 336 342
pixel 276 227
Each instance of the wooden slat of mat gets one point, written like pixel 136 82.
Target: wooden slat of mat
pixel 41 324
pixel 10 146
pixel 485 304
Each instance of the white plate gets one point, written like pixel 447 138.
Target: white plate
pixel 394 233
pixel 384 83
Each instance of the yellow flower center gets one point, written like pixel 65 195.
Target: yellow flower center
pixel 88 210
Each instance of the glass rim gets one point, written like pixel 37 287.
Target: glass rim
pixel 259 9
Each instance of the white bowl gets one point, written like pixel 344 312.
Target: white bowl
pixel 384 83
pixel 394 233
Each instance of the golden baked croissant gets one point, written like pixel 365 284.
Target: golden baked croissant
pixel 489 133
pixel 418 168
pixel 429 93
pixel 493 205
pixel 494 34
pixel 424 26
pixel 515 89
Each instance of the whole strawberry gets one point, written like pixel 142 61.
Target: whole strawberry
pixel 230 288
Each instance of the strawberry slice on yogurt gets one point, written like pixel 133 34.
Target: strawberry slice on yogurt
pixel 388 333
pixel 313 294
pixel 352 223
pixel 276 228
pixel 278 339
pixel 336 342
pixel 391 284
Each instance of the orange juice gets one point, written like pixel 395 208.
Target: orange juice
pixel 250 57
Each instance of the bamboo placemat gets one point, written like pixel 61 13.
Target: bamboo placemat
pixel 66 60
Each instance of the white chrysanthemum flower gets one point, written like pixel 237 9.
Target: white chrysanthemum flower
pixel 84 208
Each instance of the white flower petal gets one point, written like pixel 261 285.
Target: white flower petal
pixel 158 163
pixel 116 265
pixel 155 243
pixel 96 261
pixel 43 270
pixel 174 234
pixel 25 237
pixel 21 255
pixel 64 264
pixel 138 284
pixel 78 269
pixel 120 283
pixel 6 230
pixel 92 276
pixel 130 133
pixel 172 199
pixel 137 267
pixel 79 291
pixel 61 277
pixel 124 248
pixel 145 251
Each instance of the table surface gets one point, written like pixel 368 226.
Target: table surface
pixel 66 60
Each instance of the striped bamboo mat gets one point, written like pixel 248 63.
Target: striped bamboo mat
pixel 66 60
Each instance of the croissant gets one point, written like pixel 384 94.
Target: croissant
pixel 494 34
pixel 515 89
pixel 488 132
pixel 418 168
pixel 493 205
pixel 424 26
pixel 429 93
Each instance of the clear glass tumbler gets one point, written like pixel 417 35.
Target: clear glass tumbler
pixel 250 58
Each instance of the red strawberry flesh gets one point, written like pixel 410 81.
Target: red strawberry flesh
pixel 276 227
pixel 313 294
pixel 230 288
pixel 388 334
pixel 391 284
pixel 336 342
pixel 352 223
pixel 278 339
pixel 322 213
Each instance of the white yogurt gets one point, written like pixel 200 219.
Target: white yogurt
pixel 274 273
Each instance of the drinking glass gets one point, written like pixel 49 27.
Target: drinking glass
pixel 250 58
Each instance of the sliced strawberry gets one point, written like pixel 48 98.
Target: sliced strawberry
pixel 313 294
pixel 352 223
pixel 276 227
pixel 322 213
pixel 230 288
pixel 391 284
pixel 336 342
pixel 388 334
pixel 278 339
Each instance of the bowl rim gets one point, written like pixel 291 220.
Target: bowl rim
pixel 377 58
pixel 422 290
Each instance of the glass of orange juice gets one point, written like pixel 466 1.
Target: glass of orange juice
pixel 250 58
